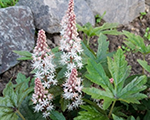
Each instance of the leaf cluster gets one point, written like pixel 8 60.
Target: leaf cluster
pixel 7 3
pixel 13 96
pixel 118 91
pixel 135 42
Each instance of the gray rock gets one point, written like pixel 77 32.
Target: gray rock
pixel 1 55
pixel 48 13
pixel 147 2
pixel 117 11
pixel 57 39
pixel 16 33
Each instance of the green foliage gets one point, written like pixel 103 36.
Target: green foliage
pixel 26 55
pixel 142 14
pixel 144 65
pixel 7 3
pixel 133 118
pixel 56 90
pixel 147 34
pixel 55 115
pixel 27 110
pixel 136 43
pixel 116 117
pixel 106 28
pixel 61 75
pixel 125 49
pixel 102 51
pixel 90 31
pixel 13 95
pixel 64 104
pixel 87 52
pixel 99 18
pixel 90 113
pixel 102 48
pixel 117 91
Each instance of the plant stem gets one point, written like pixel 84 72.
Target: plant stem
pixel 111 109
pixel 47 118
pixel 20 115
pixel 88 41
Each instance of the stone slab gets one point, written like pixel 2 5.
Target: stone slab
pixel 16 33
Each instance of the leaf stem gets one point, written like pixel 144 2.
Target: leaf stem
pixel 111 109
pixel 20 115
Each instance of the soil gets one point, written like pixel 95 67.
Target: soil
pixel 137 26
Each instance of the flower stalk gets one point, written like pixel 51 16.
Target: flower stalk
pixel 109 116
pixel 22 117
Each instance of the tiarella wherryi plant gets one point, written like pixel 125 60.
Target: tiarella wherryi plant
pixel 57 89
pixel 44 66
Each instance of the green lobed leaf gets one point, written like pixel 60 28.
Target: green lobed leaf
pixel 116 117
pixel 105 27
pixel 64 104
pixel 55 50
pixel 147 116
pixel 118 69
pixel 102 48
pixel 97 75
pixel 61 73
pixel 9 91
pixel 112 32
pixel 28 112
pixel 56 90
pixel 7 109
pixel 55 115
pixel 56 59
pixel 80 28
pixel 130 78
pixel 86 82
pixel 90 113
pixel 132 118
pixel 144 65
pixel 95 106
pixel 23 94
pixel 87 52
pixel 136 42
pixel 6 102
pixel 130 93
pixel 99 94
pixel 118 111
pixel 87 29
pixel 13 97
pixel 7 114
pixel 22 79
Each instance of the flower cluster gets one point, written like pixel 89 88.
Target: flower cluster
pixel 42 99
pixel 44 66
pixel 72 90
pixel 43 61
pixel 44 69
pixel 70 44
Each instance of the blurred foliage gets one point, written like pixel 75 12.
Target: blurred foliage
pixel 7 3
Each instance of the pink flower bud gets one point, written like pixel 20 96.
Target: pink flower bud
pixel 111 80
